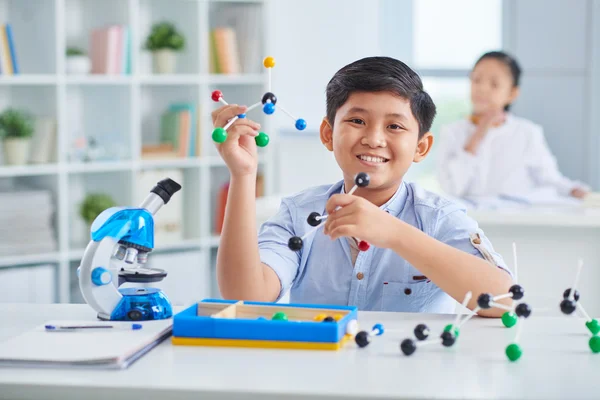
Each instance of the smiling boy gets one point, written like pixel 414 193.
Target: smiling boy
pixel 425 252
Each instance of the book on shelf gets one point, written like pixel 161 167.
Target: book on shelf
pixel 110 50
pixel 26 222
pixel 246 21
pixel 8 53
pixel 32 284
pixel 225 55
pixel 43 142
pixel 179 134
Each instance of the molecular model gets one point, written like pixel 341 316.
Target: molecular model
pixel 447 338
pixel 314 218
pixel 363 338
pixel 268 101
pixel 485 301
pixel 571 302
pixel 516 292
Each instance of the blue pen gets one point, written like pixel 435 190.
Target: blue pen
pixel 133 327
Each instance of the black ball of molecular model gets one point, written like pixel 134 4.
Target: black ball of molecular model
pixel 363 338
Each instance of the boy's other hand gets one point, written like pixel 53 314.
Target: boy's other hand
pixel 239 150
pixel 359 218
pixel 579 193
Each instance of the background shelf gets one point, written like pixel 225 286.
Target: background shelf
pixel 102 123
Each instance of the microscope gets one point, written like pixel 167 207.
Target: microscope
pixel 121 239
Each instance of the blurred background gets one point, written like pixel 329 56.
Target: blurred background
pixel 100 99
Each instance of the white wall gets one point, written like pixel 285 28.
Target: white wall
pixel 594 107
pixel 311 40
pixel 556 43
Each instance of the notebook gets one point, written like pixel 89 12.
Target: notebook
pixel 115 348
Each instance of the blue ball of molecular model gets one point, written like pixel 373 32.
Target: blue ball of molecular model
pixel 300 124
pixel 269 108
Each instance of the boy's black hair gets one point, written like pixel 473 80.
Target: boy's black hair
pixel 381 74
pixel 510 62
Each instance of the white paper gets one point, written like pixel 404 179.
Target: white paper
pixel 112 348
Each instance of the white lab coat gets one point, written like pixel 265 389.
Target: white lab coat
pixel 512 159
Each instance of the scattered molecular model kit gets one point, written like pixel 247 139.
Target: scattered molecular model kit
pixel 514 315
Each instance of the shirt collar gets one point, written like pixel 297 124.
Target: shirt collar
pixel 393 206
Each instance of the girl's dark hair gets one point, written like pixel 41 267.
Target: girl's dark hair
pixel 509 61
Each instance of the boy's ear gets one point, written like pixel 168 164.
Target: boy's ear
pixel 326 134
pixel 423 147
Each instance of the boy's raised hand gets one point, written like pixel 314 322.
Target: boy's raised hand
pixel 359 218
pixel 239 150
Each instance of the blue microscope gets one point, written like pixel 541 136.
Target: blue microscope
pixel 121 239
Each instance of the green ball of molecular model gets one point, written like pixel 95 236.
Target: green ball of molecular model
pixel 509 319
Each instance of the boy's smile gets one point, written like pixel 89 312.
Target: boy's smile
pixel 376 133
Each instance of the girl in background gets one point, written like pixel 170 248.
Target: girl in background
pixel 494 152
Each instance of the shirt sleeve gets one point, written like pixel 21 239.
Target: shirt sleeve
pixel 544 167
pixel 456 167
pixel 455 228
pixel 273 238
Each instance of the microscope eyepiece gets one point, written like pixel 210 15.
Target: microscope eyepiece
pixel 166 188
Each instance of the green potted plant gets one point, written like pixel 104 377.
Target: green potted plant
pixel 77 62
pixel 93 205
pixel 16 130
pixel 164 41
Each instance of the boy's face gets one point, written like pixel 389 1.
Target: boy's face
pixel 491 86
pixel 375 133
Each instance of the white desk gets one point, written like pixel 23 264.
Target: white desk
pixel 556 364
pixel 549 242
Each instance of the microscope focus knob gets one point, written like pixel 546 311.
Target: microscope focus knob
pixel 101 276
pixel 136 314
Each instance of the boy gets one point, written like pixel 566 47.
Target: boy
pixel 425 252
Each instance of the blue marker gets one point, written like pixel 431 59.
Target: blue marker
pixel 133 327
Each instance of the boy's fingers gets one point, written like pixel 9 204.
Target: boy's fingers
pixel 339 200
pixel 216 112
pixel 243 127
pixel 342 231
pixel 247 122
pixel 335 221
pixel 227 113
pixel 241 130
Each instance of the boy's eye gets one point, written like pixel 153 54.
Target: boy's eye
pixel 395 126
pixel 356 121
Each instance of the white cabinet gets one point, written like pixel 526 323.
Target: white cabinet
pixel 118 113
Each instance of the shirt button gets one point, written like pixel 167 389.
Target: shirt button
pixel 359 276
pixel 407 291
